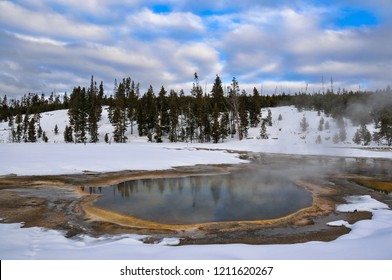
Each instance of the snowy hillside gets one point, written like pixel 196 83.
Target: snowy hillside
pixel 284 130
pixel 285 136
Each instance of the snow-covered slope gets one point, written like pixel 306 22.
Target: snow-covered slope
pixel 283 131
pixel 57 157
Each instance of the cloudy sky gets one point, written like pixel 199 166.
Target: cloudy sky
pixel 275 45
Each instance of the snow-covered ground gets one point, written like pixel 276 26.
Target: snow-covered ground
pixel 367 240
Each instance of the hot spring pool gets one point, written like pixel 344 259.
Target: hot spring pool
pixel 240 196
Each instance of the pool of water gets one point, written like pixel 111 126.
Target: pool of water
pixel 240 196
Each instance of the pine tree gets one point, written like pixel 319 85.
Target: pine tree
pixel 44 137
pixel 56 129
pixel 357 137
pixel 163 111
pixel 224 124
pixel 32 136
pixel 384 125
pixel 321 124
pixel 327 125
pixel 11 125
pixel 158 130
pixel 94 101
pixel 78 116
pixel 132 99
pixel 362 135
pixel 19 127
pixel 217 95
pixel 39 132
pixel 234 102
pixel 336 138
pixel 119 115
pixel 68 138
pixel 304 124
pixel 25 126
pixel 215 133
pixel 254 109
pixel 198 109
pixel 269 117
pixel 147 113
pixel 342 129
pixel 173 116
pixel 243 116
pixel 263 130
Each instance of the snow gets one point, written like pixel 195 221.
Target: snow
pixel 57 157
pixel 360 203
pixel 367 240
pixel 48 159
pixel 339 223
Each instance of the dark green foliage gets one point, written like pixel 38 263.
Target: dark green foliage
pixel 39 132
pixel 362 135
pixel 189 117
pixel 68 138
pixel 384 124
pixel 119 119
pixel 224 126
pixel 173 116
pixel 132 96
pixel 215 130
pixel 32 135
pixel 94 107
pixel 147 113
pixel 78 114
pixel 44 137
pixel 263 131
pixel 217 95
pixel 243 117
pixel 254 108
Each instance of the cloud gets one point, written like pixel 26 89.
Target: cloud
pixel 146 22
pixel 289 44
pixel 280 44
pixel 48 24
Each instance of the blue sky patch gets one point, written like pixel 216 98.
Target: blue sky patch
pixel 351 17
pixel 161 8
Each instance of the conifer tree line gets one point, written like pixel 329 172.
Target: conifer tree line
pixel 197 116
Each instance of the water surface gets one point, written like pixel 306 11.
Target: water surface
pixel 241 196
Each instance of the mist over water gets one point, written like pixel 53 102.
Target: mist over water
pixel 240 196
pixel 265 189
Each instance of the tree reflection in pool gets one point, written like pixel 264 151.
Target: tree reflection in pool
pixel 239 196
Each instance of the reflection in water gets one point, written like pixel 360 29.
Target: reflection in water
pixel 246 195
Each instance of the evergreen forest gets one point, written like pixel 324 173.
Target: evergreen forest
pixel 195 116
